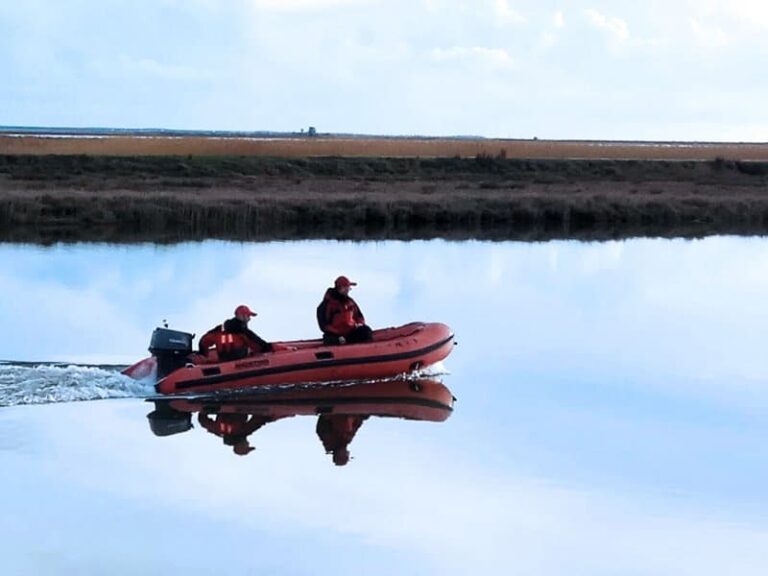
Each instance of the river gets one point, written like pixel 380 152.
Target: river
pixel 610 414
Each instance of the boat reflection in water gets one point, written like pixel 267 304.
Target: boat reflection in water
pixel 340 411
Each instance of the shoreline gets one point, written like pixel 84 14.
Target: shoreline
pixel 349 146
pixel 51 198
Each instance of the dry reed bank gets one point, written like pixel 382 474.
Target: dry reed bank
pixel 47 198
pixel 374 147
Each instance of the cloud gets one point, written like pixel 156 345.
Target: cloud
pixel 716 23
pixel 505 14
pixel 613 26
pixel 496 58
pixel 551 36
pixel 711 37
pixel 558 19
pixel 548 39
pixel 306 5
pixel 497 512
pixel 752 12
pixel 152 68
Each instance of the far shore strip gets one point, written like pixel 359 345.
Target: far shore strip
pixel 25 144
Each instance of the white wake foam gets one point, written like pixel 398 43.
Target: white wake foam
pixel 49 383
pixel 435 370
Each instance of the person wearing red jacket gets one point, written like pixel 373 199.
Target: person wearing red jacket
pixel 336 432
pixel 232 339
pixel 339 317
pixel 234 429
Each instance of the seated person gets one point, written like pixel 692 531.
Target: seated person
pixel 336 431
pixel 340 318
pixel 234 429
pixel 232 339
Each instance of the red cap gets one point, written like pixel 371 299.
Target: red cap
pixel 343 281
pixel 243 310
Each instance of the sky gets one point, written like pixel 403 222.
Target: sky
pixel 655 70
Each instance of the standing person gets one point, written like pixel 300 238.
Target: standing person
pixel 339 316
pixel 233 339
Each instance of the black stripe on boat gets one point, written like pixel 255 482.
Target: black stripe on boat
pixel 320 403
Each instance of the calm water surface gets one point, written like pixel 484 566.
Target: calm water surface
pixel 611 414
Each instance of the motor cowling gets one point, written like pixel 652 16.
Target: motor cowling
pixel 171 348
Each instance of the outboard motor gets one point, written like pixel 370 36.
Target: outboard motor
pixel 171 349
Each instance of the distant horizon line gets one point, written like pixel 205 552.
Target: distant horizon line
pixel 105 131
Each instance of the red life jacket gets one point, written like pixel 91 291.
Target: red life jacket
pixel 226 424
pixel 338 316
pixel 231 424
pixel 228 343
pixel 232 342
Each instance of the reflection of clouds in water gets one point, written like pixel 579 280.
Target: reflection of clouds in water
pixel 602 256
pixel 284 283
pixel 672 314
pixel 406 490
pixel 53 322
pixel 609 417
pixel 729 279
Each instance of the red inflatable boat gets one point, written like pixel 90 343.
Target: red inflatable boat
pixel 392 352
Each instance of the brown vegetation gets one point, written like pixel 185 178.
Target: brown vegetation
pixel 165 199
pixel 375 147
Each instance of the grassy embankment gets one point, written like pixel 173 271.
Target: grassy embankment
pixel 45 198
